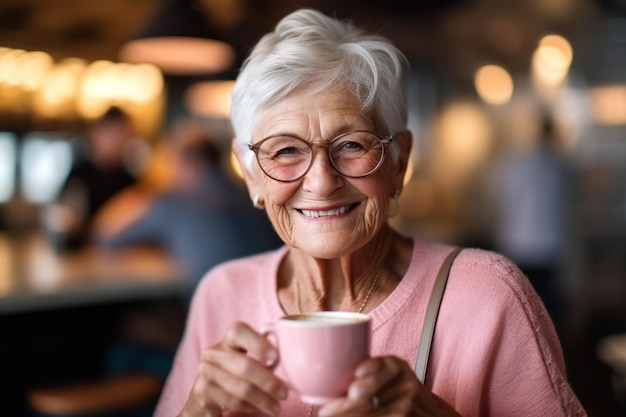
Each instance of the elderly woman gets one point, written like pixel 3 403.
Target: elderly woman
pixel 320 119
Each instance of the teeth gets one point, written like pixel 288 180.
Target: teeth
pixel 324 213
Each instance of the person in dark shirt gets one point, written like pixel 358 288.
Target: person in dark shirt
pixel 97 175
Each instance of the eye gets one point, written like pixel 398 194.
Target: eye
pixel 351 145
pixel 282 147
pixel 291 150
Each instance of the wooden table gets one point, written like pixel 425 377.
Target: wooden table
pixel 33 277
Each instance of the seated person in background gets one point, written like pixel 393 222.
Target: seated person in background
pixel 203 219
pixel 95 177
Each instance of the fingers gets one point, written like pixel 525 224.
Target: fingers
pixel 374 376
pixel 234 374
pixel 242 338
pixel 212 397
pixel 246 381
pixel 221 398
pixel 380 385
pixel 390 383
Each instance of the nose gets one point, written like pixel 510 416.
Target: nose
pixel 321 178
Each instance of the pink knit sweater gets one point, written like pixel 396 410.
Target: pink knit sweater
pixel 494 353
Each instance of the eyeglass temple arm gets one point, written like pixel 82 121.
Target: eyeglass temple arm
pixel 386 140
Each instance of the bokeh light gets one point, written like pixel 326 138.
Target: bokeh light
pixel 494 84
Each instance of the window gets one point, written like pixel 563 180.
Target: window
pixel 46 160
pixel 7 165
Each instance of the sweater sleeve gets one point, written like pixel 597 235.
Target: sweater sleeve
pixel 499 354
pixel 199 333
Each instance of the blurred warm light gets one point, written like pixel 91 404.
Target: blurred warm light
pixel 560 43
pixel 21 74
pixel 210 98
pixel 7 260
pixel 10 66
pixel 31 82
pixel 34 67
pixel 106 83
pixel 234 163
pixel 181 38
pixel 548 66
pixel 177 55
pixel 144 83
pixel 57 95
pixel 608 104
pixel 159 172
pixel 10 99
pixel 463 136
pixel 494 84
pixel 409 172
pixel 94 97
pixel 149 118
pixel 551 61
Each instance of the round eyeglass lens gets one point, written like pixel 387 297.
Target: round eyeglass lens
pixel 356 154
pixel 284 158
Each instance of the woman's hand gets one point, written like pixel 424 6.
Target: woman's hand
pixel 235 375
pixel 387 386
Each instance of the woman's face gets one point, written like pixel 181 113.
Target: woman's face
pixel 324 213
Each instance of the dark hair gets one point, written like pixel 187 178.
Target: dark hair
pixel 114 114
pixel 203 152
pixel 548 130
pixel 547 125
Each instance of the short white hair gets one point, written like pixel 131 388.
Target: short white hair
pixel 310 49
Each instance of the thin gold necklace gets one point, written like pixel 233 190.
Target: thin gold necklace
pixel 366 300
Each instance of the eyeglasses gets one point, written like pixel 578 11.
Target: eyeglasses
pixel 354 154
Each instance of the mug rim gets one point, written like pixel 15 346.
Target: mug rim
pixel 359 318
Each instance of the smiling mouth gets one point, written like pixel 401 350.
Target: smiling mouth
pixel 325 213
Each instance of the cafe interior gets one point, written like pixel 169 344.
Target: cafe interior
pixel 482 75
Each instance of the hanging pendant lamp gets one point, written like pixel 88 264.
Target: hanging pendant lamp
pixel 179 41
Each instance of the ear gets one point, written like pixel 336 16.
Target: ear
pixel 404 141
pixel 254 185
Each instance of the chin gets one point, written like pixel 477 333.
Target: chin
pixel 323 254
pixel 327 248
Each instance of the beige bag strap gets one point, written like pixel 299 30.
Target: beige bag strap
pixel 432 311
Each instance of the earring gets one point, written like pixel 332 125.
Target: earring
pixel 258 202
pixel 396 205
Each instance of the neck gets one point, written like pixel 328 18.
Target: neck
pixel 312 284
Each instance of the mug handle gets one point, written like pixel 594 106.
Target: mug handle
pixel 268 331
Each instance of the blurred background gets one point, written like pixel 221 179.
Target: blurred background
pixel 517 107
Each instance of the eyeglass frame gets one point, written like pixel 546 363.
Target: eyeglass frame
pixel 384 141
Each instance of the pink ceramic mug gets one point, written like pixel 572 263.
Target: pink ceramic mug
pixel 319 352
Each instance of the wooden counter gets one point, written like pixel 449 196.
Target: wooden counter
pixel 33 277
